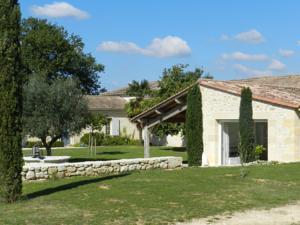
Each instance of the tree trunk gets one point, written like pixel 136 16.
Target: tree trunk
pixel 48 150
pixel 47 146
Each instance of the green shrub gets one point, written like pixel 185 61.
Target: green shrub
pixel 30 144
pixel 116 140
pixel 101 139
pixel 259 150
pixel 98 136
pixel 58 144
pixel 78 145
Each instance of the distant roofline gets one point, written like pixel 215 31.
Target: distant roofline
pixel 122 90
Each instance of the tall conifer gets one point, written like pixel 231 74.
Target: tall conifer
pixel 11 160
pixel 194 126
pixel 246 126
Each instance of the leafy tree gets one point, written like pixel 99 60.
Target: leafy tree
pixel 11 160
pixel 176 79
pixel 246 127
pixel 96 121
pixel 53 111
pixel 139 90
pixel 172 81
pixel 194 127
pixel 48 50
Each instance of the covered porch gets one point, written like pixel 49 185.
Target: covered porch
pixel 170 110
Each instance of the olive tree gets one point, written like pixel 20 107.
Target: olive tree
pixel 53 111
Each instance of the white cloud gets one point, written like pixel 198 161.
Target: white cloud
pixel 276 65
pixel 59 10
pixel 252 37
pixel 298 42
pixel 250 71
pixel 286 52
pixel 240 56
pixel 159 47
pixel 125 47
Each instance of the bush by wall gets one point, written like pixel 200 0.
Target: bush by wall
pixel 106 140
pixel 30 144
pixel 98 136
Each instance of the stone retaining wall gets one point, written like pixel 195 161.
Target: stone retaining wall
pixel 39 171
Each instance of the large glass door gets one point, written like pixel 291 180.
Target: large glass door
pixel 230 143
pixel 231 140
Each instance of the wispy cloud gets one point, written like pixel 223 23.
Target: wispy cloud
pixel 225 37
pixel 276 65
pixel 247 71
pixel 286 52
pixel 59 10
pixel 169 46
pixel 240 56
pixel 251 37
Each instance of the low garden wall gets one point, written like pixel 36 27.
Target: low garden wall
pixel 42 171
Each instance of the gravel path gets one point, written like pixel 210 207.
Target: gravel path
pixel 284 215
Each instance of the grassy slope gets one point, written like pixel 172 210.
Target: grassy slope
pixel 116 152
pixel 153 197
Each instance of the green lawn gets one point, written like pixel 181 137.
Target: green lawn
pixel 153 197
pixel 116 152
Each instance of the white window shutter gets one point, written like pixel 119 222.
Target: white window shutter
pixel 115 125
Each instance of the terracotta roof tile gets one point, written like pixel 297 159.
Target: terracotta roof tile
pixel 283 96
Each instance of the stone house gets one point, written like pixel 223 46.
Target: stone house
pixel 112 104
pixel 276 104
pixel 113 108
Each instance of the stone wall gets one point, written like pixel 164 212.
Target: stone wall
pixel 39 171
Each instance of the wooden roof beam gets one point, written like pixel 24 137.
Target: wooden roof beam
pixel 178 101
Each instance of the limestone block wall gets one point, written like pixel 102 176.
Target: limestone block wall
pixel 168 140
pixel 39 171
pixel 283 125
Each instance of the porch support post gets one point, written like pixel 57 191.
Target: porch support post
pixel 146 142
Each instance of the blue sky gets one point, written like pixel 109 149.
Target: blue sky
pixel 137 39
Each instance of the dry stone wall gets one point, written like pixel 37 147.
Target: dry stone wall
pixel 40 171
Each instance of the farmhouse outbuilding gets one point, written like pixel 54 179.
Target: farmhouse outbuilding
pixel 276 103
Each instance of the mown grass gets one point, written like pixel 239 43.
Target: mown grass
pixel 116 152
pixel 153 197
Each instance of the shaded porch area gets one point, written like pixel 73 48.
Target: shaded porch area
pixel 170 110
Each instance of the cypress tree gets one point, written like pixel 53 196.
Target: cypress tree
pixel 194 126
pixel 246 127
pixel 11 160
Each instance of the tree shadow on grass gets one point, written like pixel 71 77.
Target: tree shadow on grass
pixel 65 187
pixel 111 153
pixel 82 159
pixel 175 149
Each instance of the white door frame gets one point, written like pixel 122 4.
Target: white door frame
pixel 222 158
pixel 224 152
